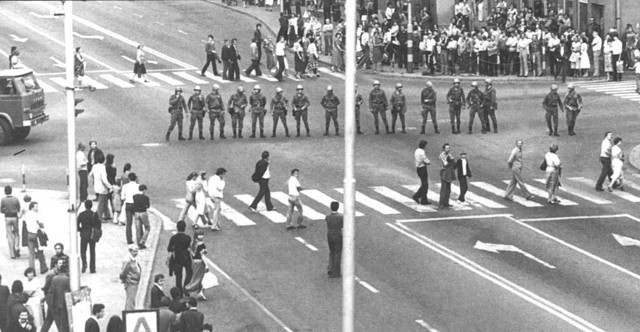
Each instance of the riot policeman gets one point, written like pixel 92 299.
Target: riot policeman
pixel 428 100
pixel 474 102
pixel 398 107
pixel 551 103
pixel 573 104
pixel 177 105
pixel 237 104
pixel 330 103
pixel 455 99
pixel 279 111
pixel 489 106
pixel 359 101
pixel 378 105
pixel 197 107
pixel 215 108
pixel 257 102
pixel 300 103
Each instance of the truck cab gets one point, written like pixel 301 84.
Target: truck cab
pixel 21 104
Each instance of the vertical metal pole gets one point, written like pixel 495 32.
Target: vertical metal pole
pixel 618 20
pixel 74 266
pixel 348 266
pixel 24 180
pixel 409 39
pixel 576 15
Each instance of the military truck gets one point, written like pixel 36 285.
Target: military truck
pixel 21 104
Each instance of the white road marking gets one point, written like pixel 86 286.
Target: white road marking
pixel 138 15
pixel 182 32
pixel 494 278
pixel 306 244
pixel 46 87
pixel 473 198
pixel 328 71
pixel 166 78
pixel 58 63
pixel 88 37
pixel 290 77
pixel 426 325
pixel 18 39
pixel 308 212
pixel 402 199
pixel 366 285
pixel 151 145
pixel 481 216
pixel 7 180
pixel 61 81
pixel 497 191
pixel 190 78
pixel 497 248
pixel 542 193
pixel 632 185
pixel 159 23
pixel 236 217
pixel 116 81
pixel 372 203
pixel 246 79
pixel 578 193
pixel 325 200
pixel 128 59
pixel 167 224
pixel 626 241
pixel 622 194
pixel 435 197
pixel 116 7
pixel 267 78
pixel 41 16
pixel 90 81
pixel 214 77
pixel 274 216
pixel 149 84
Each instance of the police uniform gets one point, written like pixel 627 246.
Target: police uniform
pixel 474 101
pixel 257 102
pixel 359 101
pixel 455 99
pixel 197 106
pixel 428 100
pixel 237 104
pixel 279 111
pixel 378 105
pixel 330 103
pixel 215 107
pixel 398 107
pixel 551 103
pixel 489 107
pixel 573 105
pixel 300 103
pixel 177 105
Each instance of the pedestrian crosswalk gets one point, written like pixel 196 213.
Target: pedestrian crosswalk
pixel 625 90
pixel 396 201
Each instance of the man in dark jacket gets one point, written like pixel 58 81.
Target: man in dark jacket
pixel 87 222
pixel 234 56
pixel 224 55
pixel 178 248
pixel 4 295
pixel 261 175
pixel 97 312
pixel 191 320
pixel 21 324
pixel 464 172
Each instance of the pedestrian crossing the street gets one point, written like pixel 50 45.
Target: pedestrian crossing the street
pixel 395 201
pixel 626 90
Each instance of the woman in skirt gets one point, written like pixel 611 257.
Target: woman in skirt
pixel 139 67
pixel 298 52
pixel 198 266
pixel 312 65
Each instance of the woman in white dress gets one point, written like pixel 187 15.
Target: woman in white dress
pixel 36 296
pixel 201 200
pixel 576 47
pixel 608 67
pixel 553 174
pixel 139 67
pixel 585 65
pixel 189 199
pixel 617 161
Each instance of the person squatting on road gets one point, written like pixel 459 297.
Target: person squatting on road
pixel 197 106
pixel 177 105
pixel 279 111
pixel 215 108
pixel 398 108
pixel 300 103
pixel 474 103
pixel 330 103
pixel 237 104
pixel 258 110
pixel 428 100
pixel 378 105
pixel 551 103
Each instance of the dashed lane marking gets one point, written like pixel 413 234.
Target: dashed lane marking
pixel 306 244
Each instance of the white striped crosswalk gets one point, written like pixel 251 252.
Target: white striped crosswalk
pixel 167 79
pixel 396 200
pixel 190 78
pixel 625 90
pixel 117 81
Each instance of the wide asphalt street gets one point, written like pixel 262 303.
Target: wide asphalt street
pixel 491 266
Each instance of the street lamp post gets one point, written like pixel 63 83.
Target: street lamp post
pixel 409 39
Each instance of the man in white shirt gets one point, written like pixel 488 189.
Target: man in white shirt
pixel 293 189
pixel 616 52
pixel 605 160
pixel 101 187
pixel 128 190
pixel 421 162
pixel 215 187
pixel 596 48
pixel 81 165
pixel 280 54
pixel 33 224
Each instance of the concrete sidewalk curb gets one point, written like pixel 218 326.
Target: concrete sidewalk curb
pixel 634 158
pixel 147 257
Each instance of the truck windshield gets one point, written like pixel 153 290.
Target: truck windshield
pixel 26 84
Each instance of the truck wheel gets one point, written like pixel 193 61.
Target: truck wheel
pixel 5 132
pixel 21 133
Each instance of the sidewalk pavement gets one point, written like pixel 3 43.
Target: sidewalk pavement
pixel 271 25
pixel 105 285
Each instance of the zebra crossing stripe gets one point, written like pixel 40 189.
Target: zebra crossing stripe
pixel 90 81
pixel 215 78
pixel 622 194
pixel 190 78
pixel 475 199
pixel 46 87
pixel 235 216
pixel 308 212
pixel 542 193
pixel 372 203
pixel 325 200
pixel 578 193
pixel 328 71
pixel 606 84
pixel 268 78
pixel 402 199
pixel 116 81
pixel 166 79
pixel 497 191
pixel 246 79
pixel 59 80
pixel 274 216
pixel 149 84
pixel 435 197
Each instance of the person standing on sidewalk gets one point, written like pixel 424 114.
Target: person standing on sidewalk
pixel 130 276
pixel 335 222
pixel 428 100
pixel 60 286
pixel 128 190
pixel 140 216
pixel 422 161
pixel 212 56
pixel 89 226
pixel 261 175
pixel 224 55
pixel 464 172
pixel 255 59
pixel 257 35
pixel 34 228
pixel 179 250
pixel 515 165
pixel 97 312
pixel 293 189
pixel 10 207
pixel 551 103
pixel 83 175
pixel 215 188
pixel 280 54
pixel 605 160
pixel 197 106
pixel 596 48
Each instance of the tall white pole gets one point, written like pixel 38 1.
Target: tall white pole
pixel 348 266
pixel 74 264
pixel 409 39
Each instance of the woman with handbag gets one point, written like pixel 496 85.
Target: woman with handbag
pixel 553 170
pixel 199 249
pixel 36 237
